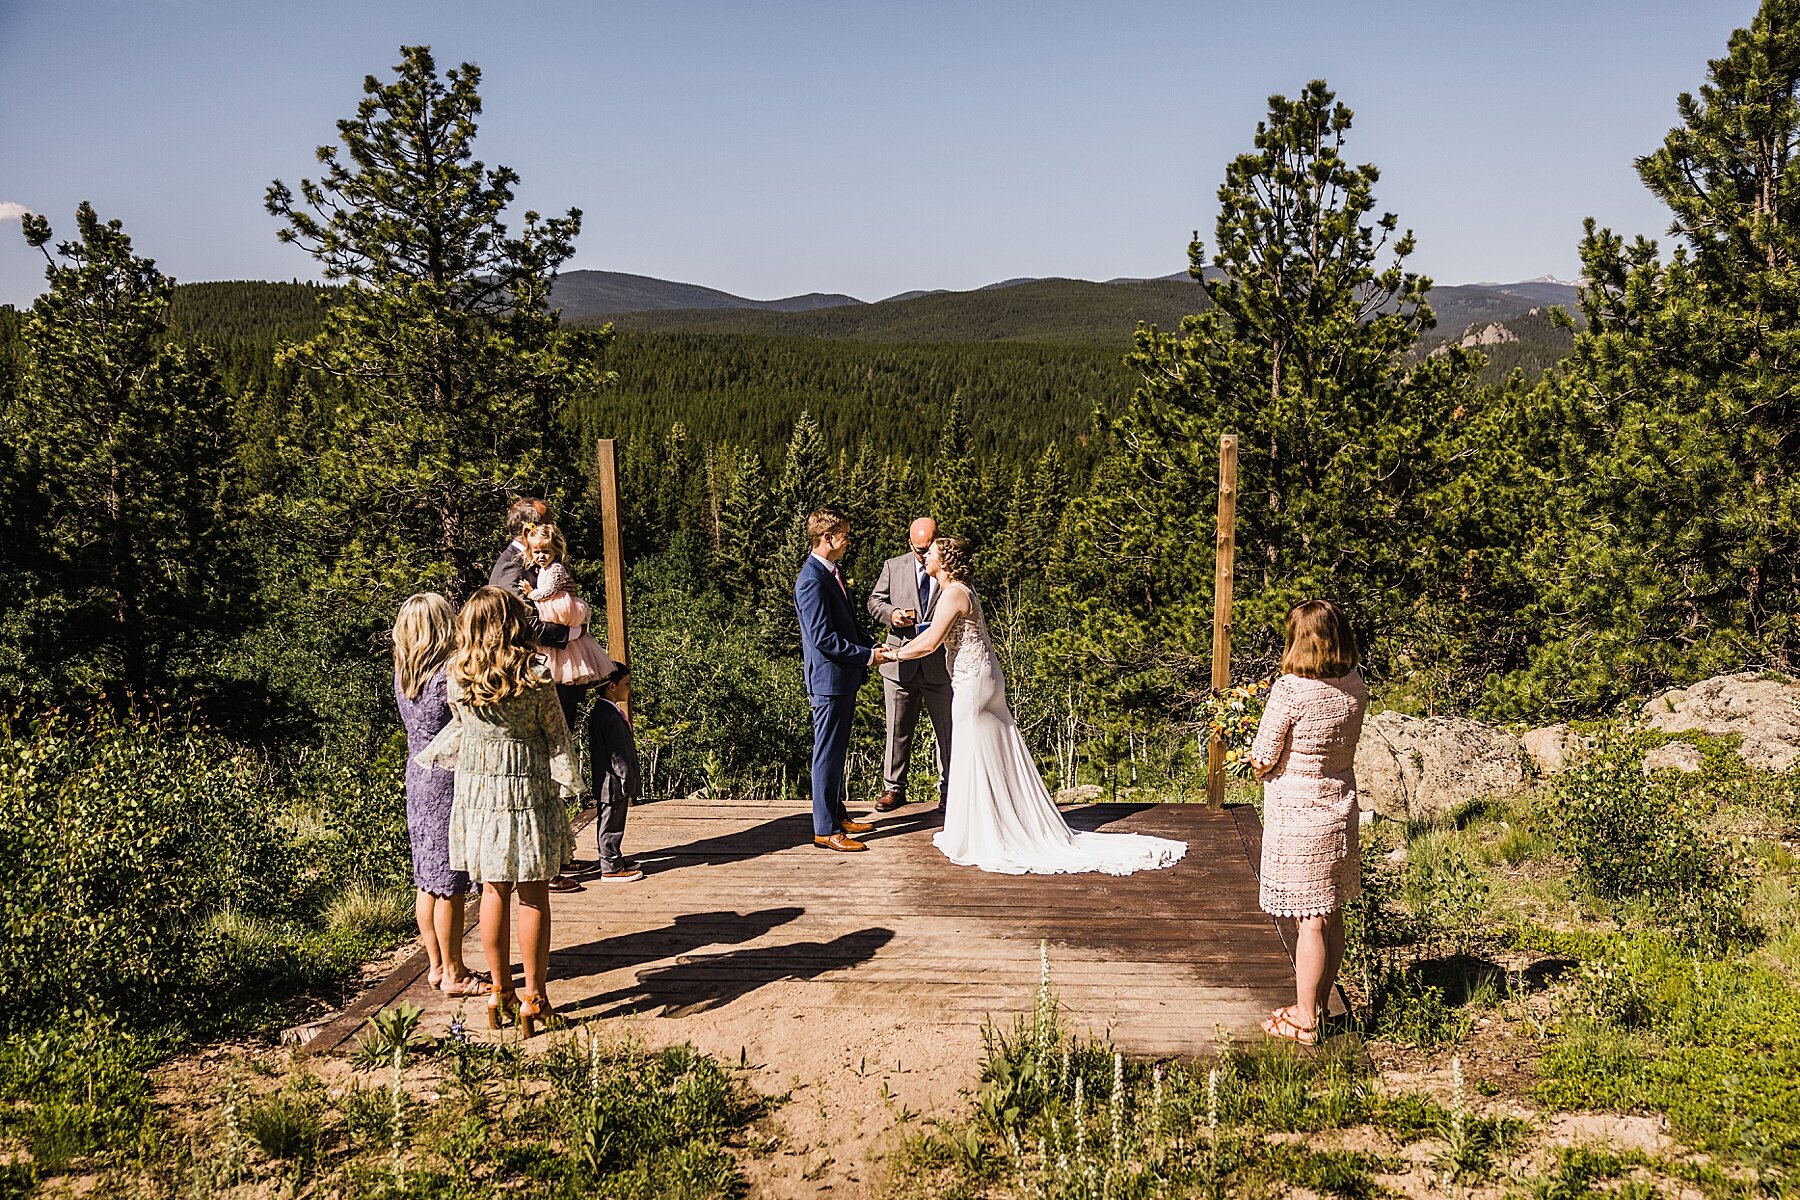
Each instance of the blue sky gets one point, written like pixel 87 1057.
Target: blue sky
pixel 869 148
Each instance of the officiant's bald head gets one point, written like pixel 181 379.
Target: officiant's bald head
pixel 920 534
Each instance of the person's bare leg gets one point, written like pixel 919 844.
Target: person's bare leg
pixel 1334 958
pixel 534 935
pixel 1310 957
pixel 496 933
pixel 447 917
pixel 424 914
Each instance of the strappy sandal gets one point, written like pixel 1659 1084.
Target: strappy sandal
pixel 501 1007
pixel 535 1013
pixel 1281 1024
pixel 472 984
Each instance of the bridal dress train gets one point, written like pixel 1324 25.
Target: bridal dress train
pixel 998 815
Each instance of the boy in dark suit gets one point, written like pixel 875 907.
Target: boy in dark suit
pixel 617 784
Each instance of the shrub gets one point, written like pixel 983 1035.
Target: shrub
pixel 1633 836
pixel 75 1088
pixel 156 872
pixel 119 837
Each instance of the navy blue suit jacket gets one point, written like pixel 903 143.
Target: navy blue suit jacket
pixel 831 642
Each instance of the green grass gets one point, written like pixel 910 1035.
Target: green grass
pixel 591 1116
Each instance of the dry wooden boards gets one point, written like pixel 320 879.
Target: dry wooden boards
pixel 739 909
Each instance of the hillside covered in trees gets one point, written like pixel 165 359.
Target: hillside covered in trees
pixel 214 497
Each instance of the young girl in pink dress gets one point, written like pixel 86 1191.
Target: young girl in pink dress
pixel 1305 754
pixel 583 660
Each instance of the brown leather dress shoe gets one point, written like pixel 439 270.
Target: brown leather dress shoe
pixel 849 826
pixel 838 841
pixel 890 800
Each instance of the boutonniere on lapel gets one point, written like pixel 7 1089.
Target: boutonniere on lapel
pixel 849 581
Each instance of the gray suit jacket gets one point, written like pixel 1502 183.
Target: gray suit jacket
pixel 898 587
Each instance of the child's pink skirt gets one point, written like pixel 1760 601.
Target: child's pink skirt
pixel 583 660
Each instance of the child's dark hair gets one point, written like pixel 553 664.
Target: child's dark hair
pixel 526 510
pixel 619 672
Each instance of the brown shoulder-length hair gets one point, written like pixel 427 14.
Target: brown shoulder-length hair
pixel 1319 642
pixel 958 559
pixel 494 658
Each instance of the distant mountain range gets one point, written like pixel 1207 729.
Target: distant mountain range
pixel 1055 310
pixel 1507 322
pixel 604 293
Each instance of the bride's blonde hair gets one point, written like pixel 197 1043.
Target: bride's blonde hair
pixel 424 636
pixel 494 660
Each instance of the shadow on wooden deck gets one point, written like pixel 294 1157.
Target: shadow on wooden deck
pixel 741 912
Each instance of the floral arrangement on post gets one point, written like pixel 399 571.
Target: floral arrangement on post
pixel 1232 714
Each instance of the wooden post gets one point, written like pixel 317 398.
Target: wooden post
pixel 1221 647
pixel 614 544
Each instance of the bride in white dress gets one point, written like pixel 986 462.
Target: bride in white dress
pixel 998 815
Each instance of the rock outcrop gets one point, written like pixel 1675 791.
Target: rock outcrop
pixel 1763 708
pixel 1675 756
pixel 1419 768
pixel 1552 748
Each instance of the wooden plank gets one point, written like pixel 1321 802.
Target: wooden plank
pixel 736 917
pixel 613 541
pixel 1223 563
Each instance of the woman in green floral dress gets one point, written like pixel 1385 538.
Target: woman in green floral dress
pixel 509 746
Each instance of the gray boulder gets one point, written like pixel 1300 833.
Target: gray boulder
pixel 1763 708
pixel 1678 756
pixel 1552 748
pixel 1419 768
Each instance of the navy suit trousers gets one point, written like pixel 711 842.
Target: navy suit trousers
pixel 831 743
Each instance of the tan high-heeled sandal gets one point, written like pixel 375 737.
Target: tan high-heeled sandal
pixel 500 1006
pixel 535 1011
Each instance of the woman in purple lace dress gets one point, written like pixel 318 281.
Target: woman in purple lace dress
pixel 424 636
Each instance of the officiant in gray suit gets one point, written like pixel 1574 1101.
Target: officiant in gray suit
pixel 902 602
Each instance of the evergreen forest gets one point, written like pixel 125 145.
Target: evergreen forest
pixel 215 496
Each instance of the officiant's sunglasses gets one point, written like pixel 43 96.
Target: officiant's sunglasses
pixel 921 552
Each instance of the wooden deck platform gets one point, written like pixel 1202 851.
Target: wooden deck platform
pixel 739 909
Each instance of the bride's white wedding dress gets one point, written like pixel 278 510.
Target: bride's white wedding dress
pixel 998 815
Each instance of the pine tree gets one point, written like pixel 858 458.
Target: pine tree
pixel 806 481
pixel 440 370
pixel 748 533
pixel 959 484
pixel 1304 353
pixel 1673 540
pixel 121 431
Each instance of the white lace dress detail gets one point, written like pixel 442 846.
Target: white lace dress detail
pixel 1309 731
pixel 968 649
pixel 998 815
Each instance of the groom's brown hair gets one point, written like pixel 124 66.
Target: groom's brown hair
pixel 526 510
pixel 823 521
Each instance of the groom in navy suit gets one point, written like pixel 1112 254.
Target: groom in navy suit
pixel 837 660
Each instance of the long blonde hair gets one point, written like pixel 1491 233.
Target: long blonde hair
pixel 494 660
pixel 424 636
pixel 1319 642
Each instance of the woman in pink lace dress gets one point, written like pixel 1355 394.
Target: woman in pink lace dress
pixel 1305 752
